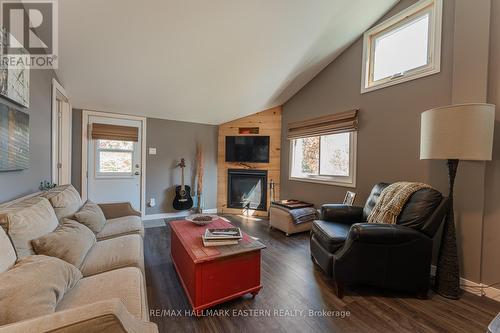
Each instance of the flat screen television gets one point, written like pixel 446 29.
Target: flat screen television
pixel 251 149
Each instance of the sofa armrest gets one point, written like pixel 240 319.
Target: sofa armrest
pixel 341 213
pixel 119 209
pixel 104 316
pixel 379 233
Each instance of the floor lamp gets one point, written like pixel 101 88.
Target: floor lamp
pixel 454 133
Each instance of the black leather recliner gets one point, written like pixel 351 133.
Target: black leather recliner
pixel 396 256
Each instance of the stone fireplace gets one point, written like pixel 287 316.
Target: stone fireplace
pixel 247 189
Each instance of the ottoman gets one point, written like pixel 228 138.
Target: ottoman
pixel 281 219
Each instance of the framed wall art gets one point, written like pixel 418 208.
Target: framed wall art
pixel 14 81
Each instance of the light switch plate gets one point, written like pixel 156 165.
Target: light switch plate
pixel 152 151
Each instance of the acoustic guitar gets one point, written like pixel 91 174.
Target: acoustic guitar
pixel 182 200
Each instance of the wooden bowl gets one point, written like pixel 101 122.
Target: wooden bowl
pixel 193 218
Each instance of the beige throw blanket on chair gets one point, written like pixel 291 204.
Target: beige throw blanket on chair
pixel 392 200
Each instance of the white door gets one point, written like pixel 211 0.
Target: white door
pixel 114 166
pixel 61 136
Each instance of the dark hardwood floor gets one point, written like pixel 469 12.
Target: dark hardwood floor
pixel 293 283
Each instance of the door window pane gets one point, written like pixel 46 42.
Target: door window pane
pixel 114 157
pixel 115 145
pixel 115 162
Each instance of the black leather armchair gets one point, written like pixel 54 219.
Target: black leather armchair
pixel 390 256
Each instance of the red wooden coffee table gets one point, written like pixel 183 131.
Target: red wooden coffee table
pixel 213 275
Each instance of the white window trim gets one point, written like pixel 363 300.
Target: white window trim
pixel 349 181
pixel 97 160
pixel 434 66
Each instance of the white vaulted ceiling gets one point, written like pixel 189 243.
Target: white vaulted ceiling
pixel 207 61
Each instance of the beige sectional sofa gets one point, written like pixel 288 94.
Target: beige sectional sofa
pixel 111 294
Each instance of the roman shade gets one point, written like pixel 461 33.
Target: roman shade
pixel 341 122
pixel 115 132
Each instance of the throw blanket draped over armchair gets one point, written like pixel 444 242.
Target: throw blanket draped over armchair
pixel 392 200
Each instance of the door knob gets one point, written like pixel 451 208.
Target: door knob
pixel 137 173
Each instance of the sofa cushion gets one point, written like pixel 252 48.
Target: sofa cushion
pixel 109 254
pixel 27 220
pixel 65 199
pixel 126 284
pixel 71 242
pixel 121 226
pixel 7 253
pixel 92 216
pixel 34 287
pixel 330 235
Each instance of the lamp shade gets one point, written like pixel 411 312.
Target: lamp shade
pixel 463 132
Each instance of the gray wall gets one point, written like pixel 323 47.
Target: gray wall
pixel 174 140
pixel 491 232
pixel 470 84
pixel 14 184
pixel 76 149
pixel 388 138
pixel 389 133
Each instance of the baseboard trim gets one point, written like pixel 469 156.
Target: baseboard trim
pixel 154 223
pixel 166 215
pixel 475 288
pixel 175 215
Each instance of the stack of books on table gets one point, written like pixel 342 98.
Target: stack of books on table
pixel 219 237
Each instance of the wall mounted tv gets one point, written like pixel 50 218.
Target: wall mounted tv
pixel 251 149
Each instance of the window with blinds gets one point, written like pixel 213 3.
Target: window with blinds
pixel 114 157
pixel 323 149
pixel 114 132
pixel 114 147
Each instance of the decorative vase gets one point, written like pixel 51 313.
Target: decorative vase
pixel 199 206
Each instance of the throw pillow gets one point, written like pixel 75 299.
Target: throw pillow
pixel 26 220
pixel 92 216
pixel 34 286
pixel 65 199
pixel 71 242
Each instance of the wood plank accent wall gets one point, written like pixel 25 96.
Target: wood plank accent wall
pixel 269 123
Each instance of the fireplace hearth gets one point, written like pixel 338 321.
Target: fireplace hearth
pixel 247 189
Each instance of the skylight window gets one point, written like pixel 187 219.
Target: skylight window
pixel 404 47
